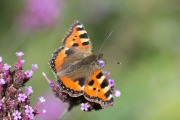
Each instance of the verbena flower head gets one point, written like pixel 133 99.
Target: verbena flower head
pixel 14 102
pixel 39 14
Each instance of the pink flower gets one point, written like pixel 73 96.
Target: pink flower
pixel 42 99
pixel 117 93
pixel 2 82
pixel 22 62
pixel 19 54
pixel 84 106
pixel 6 66
pixel 111 83
pixel 29 90
pixel 22 97
pixel 17 115
pixel 34 67
pixel 29 73
pixel 101 63
pixel 107 74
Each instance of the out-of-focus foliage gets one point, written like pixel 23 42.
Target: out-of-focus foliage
pixel 145 40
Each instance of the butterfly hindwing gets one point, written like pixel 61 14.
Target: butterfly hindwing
pixel 73 87
pixel 77 37
pixel 97 89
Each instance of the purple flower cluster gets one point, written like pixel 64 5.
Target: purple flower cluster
pixel 14 102
pixel 39 13
pixel 73 101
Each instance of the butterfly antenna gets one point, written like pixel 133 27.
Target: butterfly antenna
pixel 105 41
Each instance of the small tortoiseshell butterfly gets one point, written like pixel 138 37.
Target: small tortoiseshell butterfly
pixel 77 70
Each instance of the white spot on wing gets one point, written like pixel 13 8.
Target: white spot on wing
pixel 80 26
pixel 110 96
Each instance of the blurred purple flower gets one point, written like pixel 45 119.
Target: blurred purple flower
pixel 54 109
pixel 29 73
pixel 29 90
pixel 117 93
pixel 22 62
pixel 101 63
pixel 19 54
pixel 2 82
pixel 39 13
pixel 84 106
pixel 107 74
pixel 6 66
pixel 111 83
pixel 34 67
pixel 44 111
pixel 41 99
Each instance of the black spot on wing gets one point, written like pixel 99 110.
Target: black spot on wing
pixel 75 45
pixel 85 43
pixel 99 75
pixel 91 82
pixel 81 81
pixel 104 83
pixel 83 35
pixel 68 52
pixel 107 94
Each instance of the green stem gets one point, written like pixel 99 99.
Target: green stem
pixel 63 115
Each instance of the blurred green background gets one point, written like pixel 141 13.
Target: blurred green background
pixel 145 40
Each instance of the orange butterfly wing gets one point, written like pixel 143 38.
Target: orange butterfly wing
pixel 75 40
pixel 77 37
pixel 97 90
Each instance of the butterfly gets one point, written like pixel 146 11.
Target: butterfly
pixel 77 71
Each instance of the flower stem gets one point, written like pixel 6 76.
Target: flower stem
pixel 63 115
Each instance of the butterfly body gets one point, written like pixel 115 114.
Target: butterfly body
pixel 77 70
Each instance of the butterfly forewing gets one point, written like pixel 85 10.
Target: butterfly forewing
pixel 77 38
